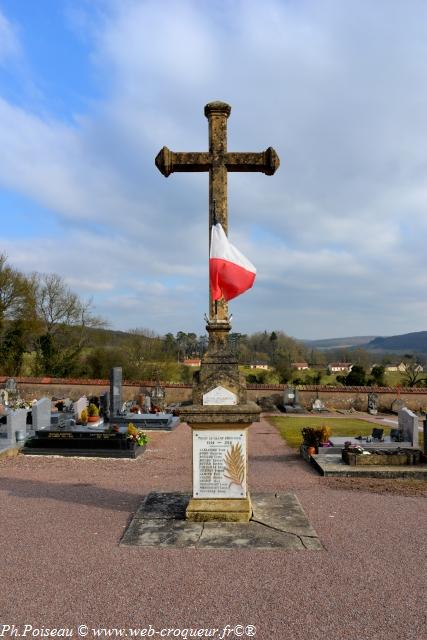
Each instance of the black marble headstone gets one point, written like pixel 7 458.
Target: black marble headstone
pixel 105 403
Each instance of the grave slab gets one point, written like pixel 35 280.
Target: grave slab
pixel 332 465
pixel 278 522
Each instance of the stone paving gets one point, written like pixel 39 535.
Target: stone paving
pixel 278 522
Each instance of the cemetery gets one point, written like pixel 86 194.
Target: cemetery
pixel 216 478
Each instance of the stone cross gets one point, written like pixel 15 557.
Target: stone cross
pixel 218 161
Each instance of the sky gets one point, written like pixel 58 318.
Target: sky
pixel 91 90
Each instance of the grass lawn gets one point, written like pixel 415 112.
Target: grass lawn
pixel 290 427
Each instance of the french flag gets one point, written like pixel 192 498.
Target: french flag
pixel 230 273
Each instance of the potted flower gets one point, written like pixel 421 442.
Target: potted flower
pixel 93 413
pixel 136 436
pixel 324 435
pixel 83 417
pixel 310 440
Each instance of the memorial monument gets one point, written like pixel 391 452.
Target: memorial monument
pixel 220 413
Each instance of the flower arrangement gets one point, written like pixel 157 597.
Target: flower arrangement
pixel 357 449
pixel 83 416
pixel 325 433
pixel 92 410
pixel 313 437
pixel 19 404
pixel 136 435
pixel 309 435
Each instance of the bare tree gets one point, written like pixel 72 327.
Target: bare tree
pixel 413 375
pixel 65 321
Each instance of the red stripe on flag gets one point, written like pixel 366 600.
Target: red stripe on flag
pixel 228 279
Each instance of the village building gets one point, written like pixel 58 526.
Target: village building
pixel 259 364
pixel 300 366
pixel 401 367
pixel 339 367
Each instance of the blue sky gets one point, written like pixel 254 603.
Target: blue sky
pixel 90 90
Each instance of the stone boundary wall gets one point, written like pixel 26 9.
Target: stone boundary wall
pixel 74 388
pixel 333 397
pixel 346 397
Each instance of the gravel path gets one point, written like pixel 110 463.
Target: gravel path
pixel 61 566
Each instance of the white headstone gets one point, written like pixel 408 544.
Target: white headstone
pixel 219 463
pixel 41 411
pixel 16 421
pixel 219 396
pixel 318 405
pixel 79 405
pixel 147 404
pixel 408 424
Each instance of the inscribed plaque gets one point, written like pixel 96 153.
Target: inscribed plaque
pixel 219 396
pixel 219 463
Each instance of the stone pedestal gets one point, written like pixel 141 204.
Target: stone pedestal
pixel 220 456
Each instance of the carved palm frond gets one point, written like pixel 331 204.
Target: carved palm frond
pixel 235 465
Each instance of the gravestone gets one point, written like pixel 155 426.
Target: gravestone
pixel 147 404
pixel 4 397
pixel 318 405
pixel 291 400
pixel 373 404
pixel 105 403
pixel 219 420
pixel 116 380
pixel 16 424
pixel 78 407
pixel 408 425
pixel 289 396
pixel 11 387
pixel 41 414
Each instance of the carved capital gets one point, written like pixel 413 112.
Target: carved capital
pixel 217 107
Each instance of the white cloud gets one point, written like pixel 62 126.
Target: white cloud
pixel 10 47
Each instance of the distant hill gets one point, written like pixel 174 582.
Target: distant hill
pixel 415 342
pixel 407 342
pixel 339 343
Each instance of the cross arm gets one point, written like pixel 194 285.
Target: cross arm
pixel 168 161
pixel 266 162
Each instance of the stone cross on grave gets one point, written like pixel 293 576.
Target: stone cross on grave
pixel 220 413
pixel 218 161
